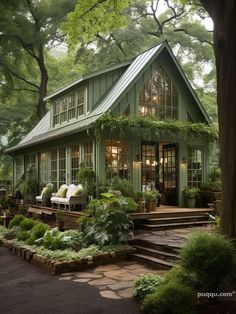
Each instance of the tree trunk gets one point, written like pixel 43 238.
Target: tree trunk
pixel 223 14
pixel 41 108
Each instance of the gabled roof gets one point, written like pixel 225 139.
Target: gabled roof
pixel 42 131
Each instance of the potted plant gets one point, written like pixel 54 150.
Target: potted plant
pixel 60 219
pixel 29 184
pixel 191 194
pixel 140 201
pixel 151 200
pixel 87 177
pixel 47 195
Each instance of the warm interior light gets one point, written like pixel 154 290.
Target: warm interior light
pixel 161 160
pixel 148 162
pixel 154 163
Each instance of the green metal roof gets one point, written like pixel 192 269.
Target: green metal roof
pixel 42 131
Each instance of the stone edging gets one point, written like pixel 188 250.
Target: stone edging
pixel 58 267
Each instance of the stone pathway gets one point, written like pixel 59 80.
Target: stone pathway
pixel 114 281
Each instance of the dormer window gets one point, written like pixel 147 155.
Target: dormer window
pixel 69 107
pixel 159 96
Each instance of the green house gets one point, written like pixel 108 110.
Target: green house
pixel 140 120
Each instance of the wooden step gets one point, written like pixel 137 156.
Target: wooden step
pixel 153 261
pixel 175 225
pixel 167 220
pixel 156 253
pixel 163 214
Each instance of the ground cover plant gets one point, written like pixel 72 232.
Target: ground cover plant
pixel 57 245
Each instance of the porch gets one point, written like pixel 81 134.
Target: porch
pixel 164 217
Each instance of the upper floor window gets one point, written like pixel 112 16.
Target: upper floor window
pixel 69 107
pixel 159 96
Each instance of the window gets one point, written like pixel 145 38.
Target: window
pixel 149 166
pixel 43 173
pixel 54 168
pixel 69 107
pixel 117 159
pixel 81 102
pixel 88 154
pixel 194 166
pixel 74 166
pixel 159 97
pixel 19 167
pixel 62 166
pixel 29 160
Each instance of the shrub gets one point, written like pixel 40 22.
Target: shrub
pixel 75 236
pixel 16 220
pixel 54 240
pixel 124 186
pixel 171 298
pixel 37 232
pixel 146 284
pixel 181 275
pixel 23 235
pixel 11 233
pixel 108 224
pixel 28 224
pixel 210 257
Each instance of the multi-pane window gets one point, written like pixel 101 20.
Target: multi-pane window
pixel 43 173
pixel 54 168
pixel 69 107
pixel 194 166
pixel 74 166
pixel 19 167
pixel 62 166
pixel 159 96
pixel 149 166
pixel 81 98
pixel 29 161
pixel 88 154
pixel 117 159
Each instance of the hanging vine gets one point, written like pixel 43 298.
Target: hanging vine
pixel 149 127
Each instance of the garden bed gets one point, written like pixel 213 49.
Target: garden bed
pixel 53 266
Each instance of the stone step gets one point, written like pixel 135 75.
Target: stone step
pixel 153 261
pixel 175 225
pixel 158 246
pixel 166 220
pixel 161 254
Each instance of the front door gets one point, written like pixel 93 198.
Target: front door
pixel 170 174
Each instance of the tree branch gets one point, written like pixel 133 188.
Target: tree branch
pixel 187 33
pixel 18 89
pixel 18 76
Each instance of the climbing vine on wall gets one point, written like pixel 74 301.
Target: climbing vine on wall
pixel 149 127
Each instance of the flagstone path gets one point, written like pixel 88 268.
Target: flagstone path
pixel 114 281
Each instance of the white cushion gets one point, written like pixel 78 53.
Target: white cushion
pixel 55 199
pixel 39 198
pixel 63 200
pixel 71 189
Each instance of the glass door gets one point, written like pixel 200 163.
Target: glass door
pixel 170 174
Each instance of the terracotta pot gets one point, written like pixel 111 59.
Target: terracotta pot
pixel 191 202
pixel 141 204
pixel 150 207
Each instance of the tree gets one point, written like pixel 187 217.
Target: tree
pixel 223 15
pixel 28 29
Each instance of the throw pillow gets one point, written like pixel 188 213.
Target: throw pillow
pixel 78 190
pixel 61 192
